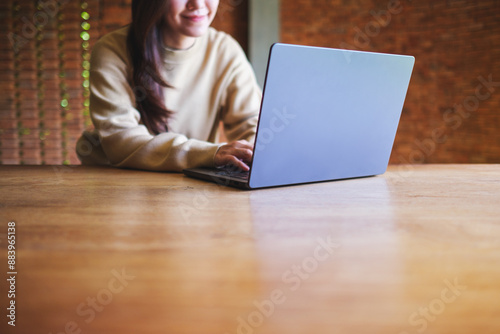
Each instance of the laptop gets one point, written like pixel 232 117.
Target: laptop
pixel 326 114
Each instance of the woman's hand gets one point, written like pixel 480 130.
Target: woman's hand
pixel 237 154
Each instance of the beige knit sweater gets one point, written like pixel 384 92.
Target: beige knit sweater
pixel 212 82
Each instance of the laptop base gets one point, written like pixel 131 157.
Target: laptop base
pixel 210 174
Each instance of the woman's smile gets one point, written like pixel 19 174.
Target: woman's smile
pixel 187 19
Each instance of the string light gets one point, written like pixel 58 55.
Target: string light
pixel 85 36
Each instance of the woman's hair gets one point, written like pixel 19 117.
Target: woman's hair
pixel 144 46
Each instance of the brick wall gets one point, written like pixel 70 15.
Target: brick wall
pixel 457 47
pixel 42 62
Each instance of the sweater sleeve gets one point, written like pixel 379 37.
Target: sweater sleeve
pixel 125 142
pixel 243 97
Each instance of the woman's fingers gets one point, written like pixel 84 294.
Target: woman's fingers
pixel 236 164
pixel 237 154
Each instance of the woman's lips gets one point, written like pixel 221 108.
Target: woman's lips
pixel 197 15
pixel 195 18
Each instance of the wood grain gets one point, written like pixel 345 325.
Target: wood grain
pixel 102 250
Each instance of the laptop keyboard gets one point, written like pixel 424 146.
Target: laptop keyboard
pixel 231 172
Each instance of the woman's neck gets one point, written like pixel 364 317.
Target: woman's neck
pixel 182 43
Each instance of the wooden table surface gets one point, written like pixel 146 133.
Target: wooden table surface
pixel 102 250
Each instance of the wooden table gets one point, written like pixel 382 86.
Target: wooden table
pixel 102 250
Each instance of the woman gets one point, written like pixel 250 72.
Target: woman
pixel 160 87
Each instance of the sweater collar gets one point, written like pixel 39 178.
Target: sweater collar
pixel 175 56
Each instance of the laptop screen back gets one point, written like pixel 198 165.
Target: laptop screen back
pixel 327 114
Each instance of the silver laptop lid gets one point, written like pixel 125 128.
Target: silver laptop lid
pixel 327 114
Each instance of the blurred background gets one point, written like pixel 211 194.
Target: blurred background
pixel 451 115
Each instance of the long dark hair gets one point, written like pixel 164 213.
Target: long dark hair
pixel 144 47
